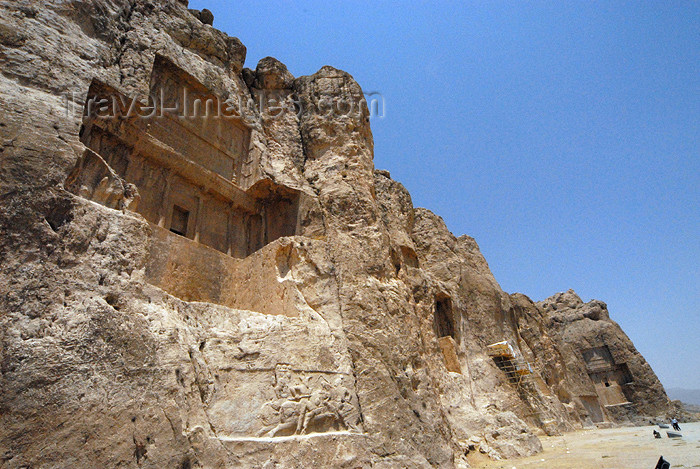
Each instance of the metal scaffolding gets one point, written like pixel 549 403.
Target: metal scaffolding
pixel 527 381
pixel 511 361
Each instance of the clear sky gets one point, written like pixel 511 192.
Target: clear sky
pixel 563 137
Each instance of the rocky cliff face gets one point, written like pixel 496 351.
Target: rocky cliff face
pixel 246 290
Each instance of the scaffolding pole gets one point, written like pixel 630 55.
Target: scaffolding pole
pixel 510 360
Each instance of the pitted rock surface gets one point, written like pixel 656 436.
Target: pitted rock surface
pixel 245 289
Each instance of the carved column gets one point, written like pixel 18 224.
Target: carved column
pixel 198 216
pixel 229 231
pixel 165 203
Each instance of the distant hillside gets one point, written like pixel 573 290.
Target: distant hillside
pixel 688 396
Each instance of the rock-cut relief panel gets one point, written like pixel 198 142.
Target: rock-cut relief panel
pixel 308 402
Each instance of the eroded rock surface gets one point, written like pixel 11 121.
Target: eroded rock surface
pixel 241 288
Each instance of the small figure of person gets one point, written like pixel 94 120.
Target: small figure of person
pixel 675 425
pixel 657 434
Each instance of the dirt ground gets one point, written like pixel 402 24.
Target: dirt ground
pixel 615 448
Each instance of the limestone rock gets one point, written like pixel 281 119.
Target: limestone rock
pixel 204 15
pixel 625 387
pixel 226 285
pixel 271 74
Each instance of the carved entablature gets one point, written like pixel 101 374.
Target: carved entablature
pixel 179 160
pixel 598 359
pixel 197 123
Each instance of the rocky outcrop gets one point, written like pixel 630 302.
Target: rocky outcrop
pixel 623 382
pixel 241 287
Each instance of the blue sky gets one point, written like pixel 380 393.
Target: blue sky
pixel 564 137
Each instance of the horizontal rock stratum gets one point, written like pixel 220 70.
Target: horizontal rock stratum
pixel 192 279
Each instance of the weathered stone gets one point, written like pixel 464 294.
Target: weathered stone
pixel 205 16
pixel 271 74
pixel 624 385
pixel 248 76
pixel 241 288
pixel 449 353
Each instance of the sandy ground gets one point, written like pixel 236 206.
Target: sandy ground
pixel 616 448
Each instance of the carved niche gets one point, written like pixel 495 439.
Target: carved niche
pixel 180 160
